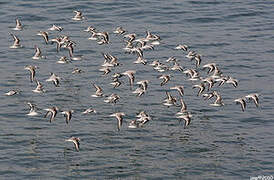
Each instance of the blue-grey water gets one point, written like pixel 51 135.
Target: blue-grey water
pixel 220 143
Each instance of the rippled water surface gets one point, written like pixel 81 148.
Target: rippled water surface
pixel 220 143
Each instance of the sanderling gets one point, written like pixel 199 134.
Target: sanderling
pixel 254 97
pixel 104 37
pixel 131 37
pixel 193 74
pixel 39 88
pixel 78 16
pixel 186 117
pixel 89 110
pixel 55 79
pixel 77 71
pixel 18 26
pixel 62 60
pixel 140 60
pixel 208 96
pixel 134 124
pixel 32 71
pixel 119 30
pixel 143 84
pixel 170 100
pixel 191 55
pixel 58 42
pixel 115 83
pixel 201 88
pixel 76 142
pixel 68 115
pixel 69 46
pixel 55 28
pixel 12 92
pixel 218 101
pixel 52 111
pixel 38 53
pixel 45 35
pixel 210 66
pixel 210 82
pixel 98 92
pixel 130 75
pixel 165 77
pixel 171 59
pixel 105 70
pixel 176 67
pixel 182 47
pixel 198 59
pixel 232 81
pixel 113 98
pixel 119 117
pixel 16 43
pixel 139 91
pixel 242 102
pixel 32 111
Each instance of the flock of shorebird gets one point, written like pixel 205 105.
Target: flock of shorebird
pixel 136 46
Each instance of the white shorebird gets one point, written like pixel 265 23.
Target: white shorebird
pixel 113 98
pixel 254 97
pixel 218 101
pixel 18 26
pixel 119 30
pixel 98 92
pixel 73 57
pixel 242 102
pixel 232 81
pixel 143 84
pixel 186 117
pixel 89 110
pixel 52 111
pixel 39 88
pixel 198 59
pixel 16 43
pixel 55 79
pixel 143 118
pixel 165 77
pixel 210 66
pixel 191 55
pixel 176 67
pixel 32 71
pixel 32 111
pixel 55 28
pixel 68 115
pixel 210 82
pixel 130 75
pixel 182 47
pixel 38 53
pixel 170 100
pixel 119 117
pixel 105 70
pixel 139 91
pixel 78 16
pixel 115 83
pixel 140 60
pixel 76 142
pixel 12 92
pixel 77 71
pixel 45 35
pixel 63 60
pixel 201 88
pixel 134 124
